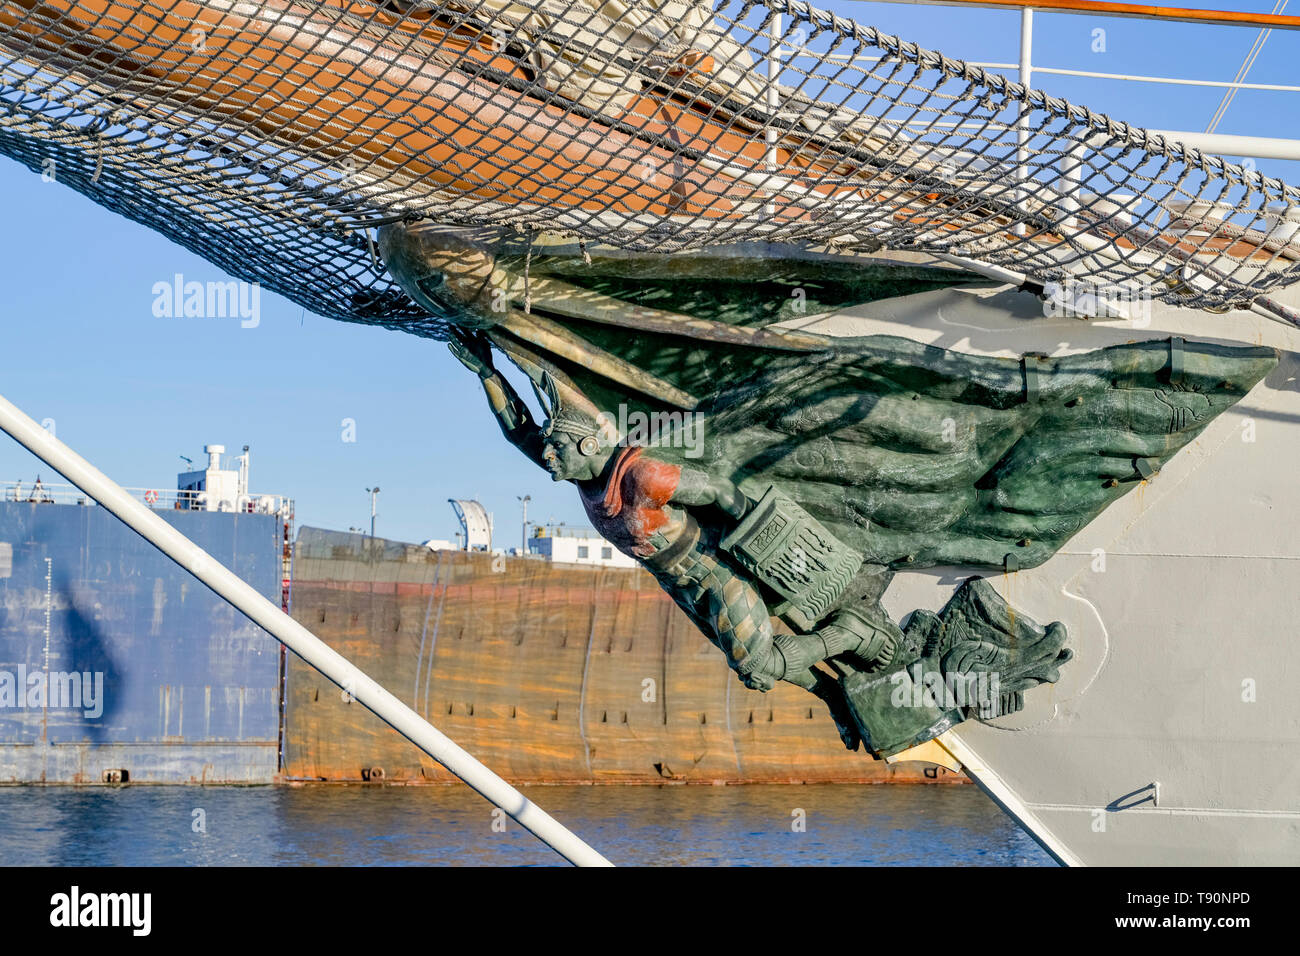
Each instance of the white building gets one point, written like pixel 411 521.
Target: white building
pixel 219 489
pixel 215 488
pixel 556 543
pixel 576 546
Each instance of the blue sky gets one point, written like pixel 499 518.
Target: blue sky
pixel 133 392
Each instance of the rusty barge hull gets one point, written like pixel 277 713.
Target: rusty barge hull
pixel 549 673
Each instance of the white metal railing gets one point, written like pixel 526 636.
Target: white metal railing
pixel 1254 147
pixel 159 499
pixel 1060 71
pixel 1130 11
pixel 1172 80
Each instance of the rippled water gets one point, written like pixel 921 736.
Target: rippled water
pixel 367 826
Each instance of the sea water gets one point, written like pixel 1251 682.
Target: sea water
pixel 331 825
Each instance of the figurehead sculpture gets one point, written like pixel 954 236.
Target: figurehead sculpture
pixel 775 508
pixel 732 564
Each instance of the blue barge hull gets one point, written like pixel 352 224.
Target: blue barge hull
pixel 115 664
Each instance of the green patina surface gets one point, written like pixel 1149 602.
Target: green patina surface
pixel 919 456
pixel 916 456
pixel 976 657
pixel 817 474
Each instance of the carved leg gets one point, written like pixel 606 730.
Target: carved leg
pixel 848 632
pixel 732 613
pixel 742 626
pixel 742 629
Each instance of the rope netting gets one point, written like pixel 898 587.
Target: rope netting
pixel 272 138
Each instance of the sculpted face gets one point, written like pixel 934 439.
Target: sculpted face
pixel 572 458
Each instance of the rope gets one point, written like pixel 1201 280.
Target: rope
pixel 1231 93
pixel 528 266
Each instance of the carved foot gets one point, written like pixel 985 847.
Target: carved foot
pixel 873 644
pixel 867 645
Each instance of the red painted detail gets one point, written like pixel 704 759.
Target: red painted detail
pixel 633 504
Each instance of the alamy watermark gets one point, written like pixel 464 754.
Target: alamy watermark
pixel 75 908
pixel 208 300
pixel 922 687
pixel 55 690
pixel 654 429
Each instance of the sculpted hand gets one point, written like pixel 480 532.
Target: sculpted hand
pixel 473 353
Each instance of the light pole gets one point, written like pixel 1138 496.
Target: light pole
pixel 523 539
pixel 374 493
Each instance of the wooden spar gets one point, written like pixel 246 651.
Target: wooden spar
pixel 561 297
pixel 1235 18
pixel 554 338
pixel 246 599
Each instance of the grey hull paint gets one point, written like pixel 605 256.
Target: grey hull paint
pixel 190 687
pixel 1171 737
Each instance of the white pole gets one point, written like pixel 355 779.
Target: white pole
pixel 374 493
pixel 773 97
pixel 1027 79
pixel 523 531
pixel 1071 162
pixel 1027 46
pixel 1228 144
pixel 293 635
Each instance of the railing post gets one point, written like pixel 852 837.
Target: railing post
pixel 773 96
pixel 1026 80
pixel 1071 161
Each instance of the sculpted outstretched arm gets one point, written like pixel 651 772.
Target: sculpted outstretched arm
pixel 509 409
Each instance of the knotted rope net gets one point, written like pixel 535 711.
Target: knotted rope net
pixel 273 137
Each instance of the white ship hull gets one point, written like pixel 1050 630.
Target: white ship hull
pixel 1170 737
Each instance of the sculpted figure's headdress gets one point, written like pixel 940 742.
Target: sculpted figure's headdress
pixel 571 413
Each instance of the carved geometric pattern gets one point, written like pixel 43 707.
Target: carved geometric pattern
pixel 786 548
